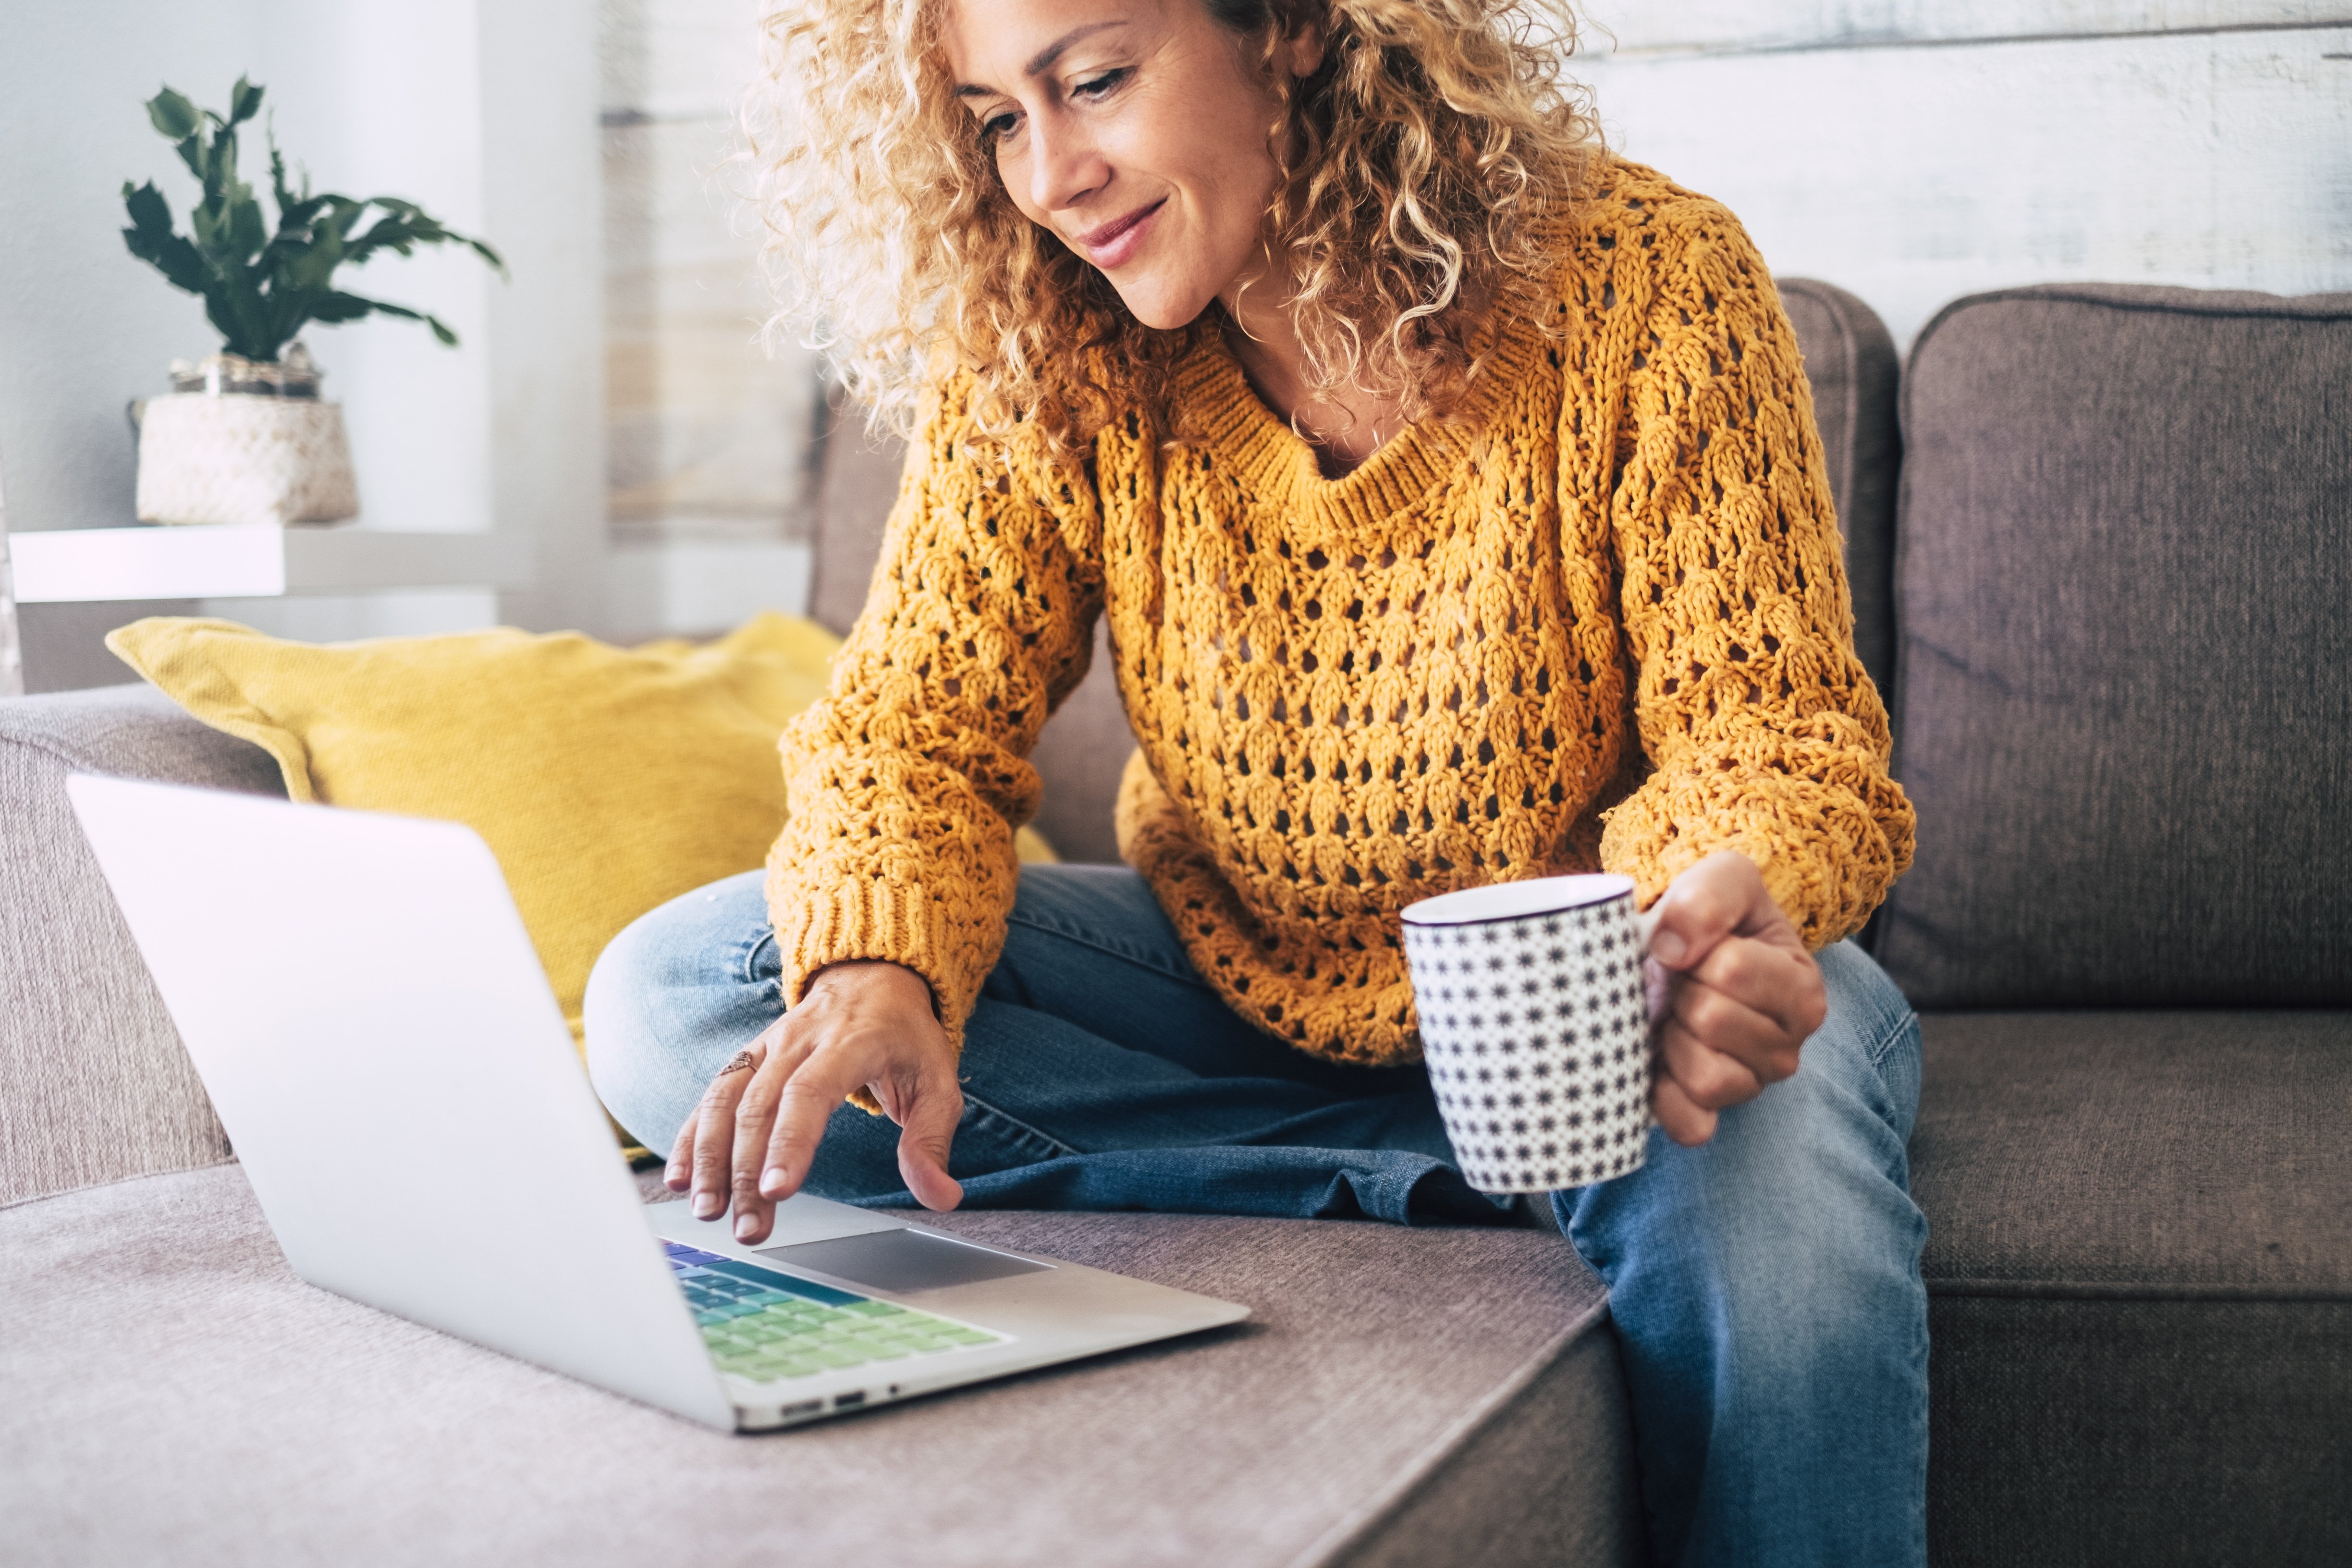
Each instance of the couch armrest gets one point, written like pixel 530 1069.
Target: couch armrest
pixel 94 1086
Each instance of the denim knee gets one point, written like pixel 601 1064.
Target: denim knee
pixel 680 989
pixel 1869 1013
pixel 1831 1139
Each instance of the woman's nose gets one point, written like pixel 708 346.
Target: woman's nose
pixel 1066 166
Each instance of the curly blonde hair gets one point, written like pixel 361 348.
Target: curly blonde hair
pixel 1416 169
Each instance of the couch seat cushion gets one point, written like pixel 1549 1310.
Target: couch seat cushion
pixel 175 1394
pixel 2174 1155
pixel 2139 1261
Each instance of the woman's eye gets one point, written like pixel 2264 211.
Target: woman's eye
pixel 997 127
pixel 1095 86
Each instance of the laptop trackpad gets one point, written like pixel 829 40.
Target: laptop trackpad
pixel 902 1260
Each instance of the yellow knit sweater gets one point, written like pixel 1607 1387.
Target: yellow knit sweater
pixel 1599 619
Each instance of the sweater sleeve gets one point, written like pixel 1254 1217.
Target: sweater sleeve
pixel 907 779
pixel 1760 729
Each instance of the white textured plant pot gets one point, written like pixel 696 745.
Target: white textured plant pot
pixel 237 457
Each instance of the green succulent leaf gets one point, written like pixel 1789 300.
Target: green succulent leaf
pixel 294 217
pixel 336 306
pixel 207 222
pixel 247 230
pixel 289 200
pixel 173 115
pixel 150 215
pixel 220 165
pixel 341 307
pixel 311 267
pixel 151 239
pixel 244 102
pixel 392 232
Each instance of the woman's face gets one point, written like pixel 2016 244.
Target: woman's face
pixel 1134 130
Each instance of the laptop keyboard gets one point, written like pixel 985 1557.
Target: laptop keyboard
pixel 767 1326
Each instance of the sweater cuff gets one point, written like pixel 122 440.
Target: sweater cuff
pixel 869 917
pixel 1826 858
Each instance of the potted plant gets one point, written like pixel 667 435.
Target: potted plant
pixel 245 438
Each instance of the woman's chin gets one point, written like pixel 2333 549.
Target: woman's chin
pixel 1160 308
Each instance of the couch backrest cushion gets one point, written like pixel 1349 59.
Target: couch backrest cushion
pixel 1850 360
pixel 857 481
pixel 2124 590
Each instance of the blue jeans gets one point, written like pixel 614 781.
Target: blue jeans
pixel 1765 1286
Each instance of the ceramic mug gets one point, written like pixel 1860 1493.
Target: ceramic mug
pixel 1535 1022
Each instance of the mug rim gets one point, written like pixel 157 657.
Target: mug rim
pixel 1621 887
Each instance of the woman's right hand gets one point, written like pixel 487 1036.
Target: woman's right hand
pixel 859 1025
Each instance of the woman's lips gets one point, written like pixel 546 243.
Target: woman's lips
pixel 1113 242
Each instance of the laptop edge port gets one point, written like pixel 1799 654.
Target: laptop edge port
pixel 848 1401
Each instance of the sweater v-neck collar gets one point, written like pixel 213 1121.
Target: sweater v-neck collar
pixel 1222 411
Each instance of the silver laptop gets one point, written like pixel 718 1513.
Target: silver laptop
pixel 377 1035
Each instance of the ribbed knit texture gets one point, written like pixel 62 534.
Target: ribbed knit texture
pixel 1597 619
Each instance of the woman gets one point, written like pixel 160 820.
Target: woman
pixel 1453 493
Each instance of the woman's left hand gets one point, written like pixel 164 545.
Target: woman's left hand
pixel 1734 990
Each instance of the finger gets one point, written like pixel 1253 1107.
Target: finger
pixel 755 1115
pixel 1708 1078
pixel 714 1136
pixel 1687 1124
pixel 927 1119
pixel 1707 902
pixel 1783 982
pixel 1723 1023
pixel 675 1174
pixel 824 1081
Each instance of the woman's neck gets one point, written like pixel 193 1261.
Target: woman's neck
pixel 1344 426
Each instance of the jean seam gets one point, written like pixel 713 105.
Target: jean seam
pixel 1141 959
pixel 978 1109
pixel 1879 1048
pixel 752 956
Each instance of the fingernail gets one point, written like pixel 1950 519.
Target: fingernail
pixel 1667 947
pixel 745 1225
pixel 772 1181
pixel 706 1205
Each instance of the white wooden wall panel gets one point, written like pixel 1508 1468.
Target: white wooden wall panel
pixel 1749 24
pixel 710 436
pixel 1914 175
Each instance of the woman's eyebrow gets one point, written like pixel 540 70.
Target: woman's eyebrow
pixel 1043 58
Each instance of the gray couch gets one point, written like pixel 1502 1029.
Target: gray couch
pixel 2102 566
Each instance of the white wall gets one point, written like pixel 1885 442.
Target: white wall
pixel 388 100
pixel 1913 151
pixel 543 204
pixel 483 112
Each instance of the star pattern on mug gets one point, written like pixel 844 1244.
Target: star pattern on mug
pixel 1536 1037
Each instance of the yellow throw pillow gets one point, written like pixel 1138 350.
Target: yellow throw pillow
pixel 606 780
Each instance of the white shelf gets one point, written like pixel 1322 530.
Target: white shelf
pixel 255 561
